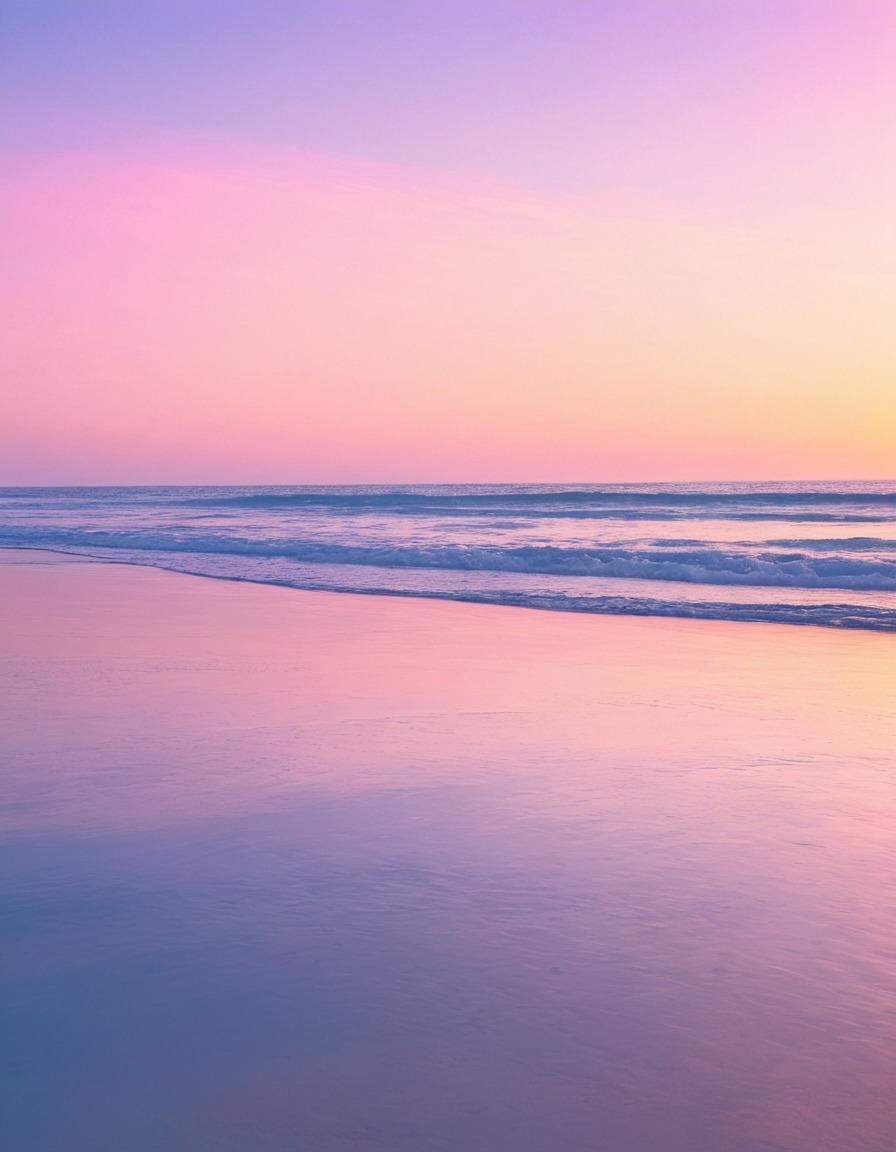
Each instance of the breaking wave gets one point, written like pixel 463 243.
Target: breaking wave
pixel 701 565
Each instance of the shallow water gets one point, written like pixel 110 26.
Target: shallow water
pixel 290 870
pixel 789 553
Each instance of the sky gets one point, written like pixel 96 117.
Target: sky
pixel 349 241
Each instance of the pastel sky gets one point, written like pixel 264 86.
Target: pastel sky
pixel 486 240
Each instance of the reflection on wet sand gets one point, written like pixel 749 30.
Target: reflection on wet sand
pixel 297 870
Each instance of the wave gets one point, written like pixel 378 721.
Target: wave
pixel 523 495
pixel 695 565
pixel 544 502
pixel 841 544
pixel 858 612
pixel 820 615
pixel 439 496
pixel 813 503
pixel 506 544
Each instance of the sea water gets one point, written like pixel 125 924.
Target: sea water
pixel 796 553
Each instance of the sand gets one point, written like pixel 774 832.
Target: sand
pixel 307 870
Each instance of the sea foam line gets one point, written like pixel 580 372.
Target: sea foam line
pixel 702 565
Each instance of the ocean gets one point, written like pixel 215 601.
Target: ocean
pixel 803 553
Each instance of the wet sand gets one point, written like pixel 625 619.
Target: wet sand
pixel 294 870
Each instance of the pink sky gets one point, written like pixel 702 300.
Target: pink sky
pixel 186 306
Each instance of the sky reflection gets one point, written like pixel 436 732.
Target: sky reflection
pixel 281 878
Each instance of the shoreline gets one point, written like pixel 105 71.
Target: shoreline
pixel 708 612
pixel 323 864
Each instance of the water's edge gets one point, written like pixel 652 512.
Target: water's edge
pixel 837 615
pixel 803 553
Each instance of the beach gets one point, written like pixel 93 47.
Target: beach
pixel 293 869
pixel 447 576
